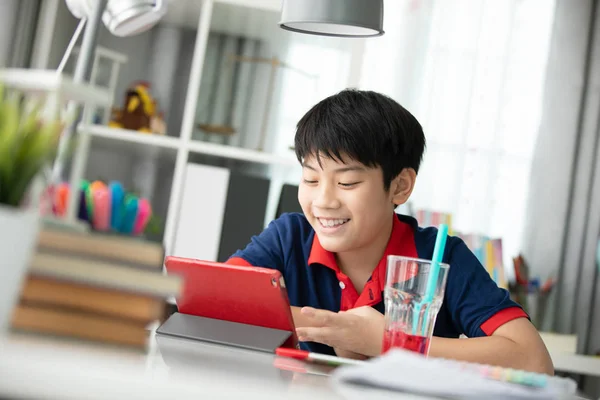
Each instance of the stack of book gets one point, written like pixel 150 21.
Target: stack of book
pixel 487 250
pixel 489 253
pixel 95 287
pixel 427 218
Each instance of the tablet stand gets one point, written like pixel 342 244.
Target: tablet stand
pixel 225 332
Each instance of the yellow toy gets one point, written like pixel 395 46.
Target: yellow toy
pixel 139 112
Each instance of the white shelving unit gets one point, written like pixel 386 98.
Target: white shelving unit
pixel 158 154
pixel 146 151
pixel 178 149
pixel 116 60
pixel 114 135
pixel 140 142
pixel 241 154
pixel 48 82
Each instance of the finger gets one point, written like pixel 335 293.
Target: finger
pixel 315 334
pixel 320 318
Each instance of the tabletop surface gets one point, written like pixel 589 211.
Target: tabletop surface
pixel 46 368
pixel 38 367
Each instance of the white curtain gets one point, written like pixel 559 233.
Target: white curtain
pixel 472 72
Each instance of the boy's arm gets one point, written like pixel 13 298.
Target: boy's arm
pixel 499 330
pixel 516 344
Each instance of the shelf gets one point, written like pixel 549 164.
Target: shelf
pixel 269 5
pixel 138 143
pixel 143 143
pixel 125 135
pixel 49 81
pixel 238 153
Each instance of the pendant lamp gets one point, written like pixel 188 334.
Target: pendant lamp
pixel 342 18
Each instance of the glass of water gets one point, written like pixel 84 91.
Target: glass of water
pixel 409 314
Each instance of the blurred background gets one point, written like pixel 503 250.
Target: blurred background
pixel 508 93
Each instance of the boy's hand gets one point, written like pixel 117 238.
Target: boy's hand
pixel 359 330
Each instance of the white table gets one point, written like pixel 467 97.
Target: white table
pixel 563 351
pixel 44 368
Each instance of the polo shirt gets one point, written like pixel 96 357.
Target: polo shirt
pixel 473 304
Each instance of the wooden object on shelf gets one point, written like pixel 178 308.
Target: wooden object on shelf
pixel 217 129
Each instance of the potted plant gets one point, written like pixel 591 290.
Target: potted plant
pixel 28 144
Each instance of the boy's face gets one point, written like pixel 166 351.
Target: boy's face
pixel 346 203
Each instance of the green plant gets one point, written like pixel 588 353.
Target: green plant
pixel 28 144
pixel 154 226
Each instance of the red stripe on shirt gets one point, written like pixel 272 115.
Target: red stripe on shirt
pixel 238 261
pixel 500 318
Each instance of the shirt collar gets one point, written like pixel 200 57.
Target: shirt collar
pixel 398 244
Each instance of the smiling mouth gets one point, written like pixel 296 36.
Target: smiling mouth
pixel 332 223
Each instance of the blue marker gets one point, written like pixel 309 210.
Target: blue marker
pixel 130 211
pixel 117 194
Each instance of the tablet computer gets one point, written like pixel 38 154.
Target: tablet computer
pixel 246 295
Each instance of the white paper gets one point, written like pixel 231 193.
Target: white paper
pixel 410 372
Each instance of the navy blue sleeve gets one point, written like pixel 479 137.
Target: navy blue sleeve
pixel 264 250
pixel 472 297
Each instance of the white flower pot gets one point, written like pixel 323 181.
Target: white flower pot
pixel 18 238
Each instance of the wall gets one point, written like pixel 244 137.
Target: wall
pixel 63 30
pixel 17 31
pixel 8 17
pixel 138 48
pixel 42 44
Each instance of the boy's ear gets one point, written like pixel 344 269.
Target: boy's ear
pixel 403 185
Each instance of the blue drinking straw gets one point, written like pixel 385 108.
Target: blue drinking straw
pixel 436 260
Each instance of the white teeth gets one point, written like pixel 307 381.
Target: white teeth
pixel 332 222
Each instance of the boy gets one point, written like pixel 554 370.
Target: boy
pixel 360 153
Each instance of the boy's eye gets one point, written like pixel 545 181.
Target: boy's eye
pixel 309 182
pixel 347 185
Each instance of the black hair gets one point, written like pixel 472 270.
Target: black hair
pixel 365 126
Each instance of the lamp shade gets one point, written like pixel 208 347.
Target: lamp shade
pixel 345 18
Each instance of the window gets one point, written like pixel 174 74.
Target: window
pixel 472 72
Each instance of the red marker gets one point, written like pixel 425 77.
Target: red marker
pixel 316 357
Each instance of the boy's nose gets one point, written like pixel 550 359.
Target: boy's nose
pixel 326 198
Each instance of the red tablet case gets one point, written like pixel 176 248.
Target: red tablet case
pixel 247 295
